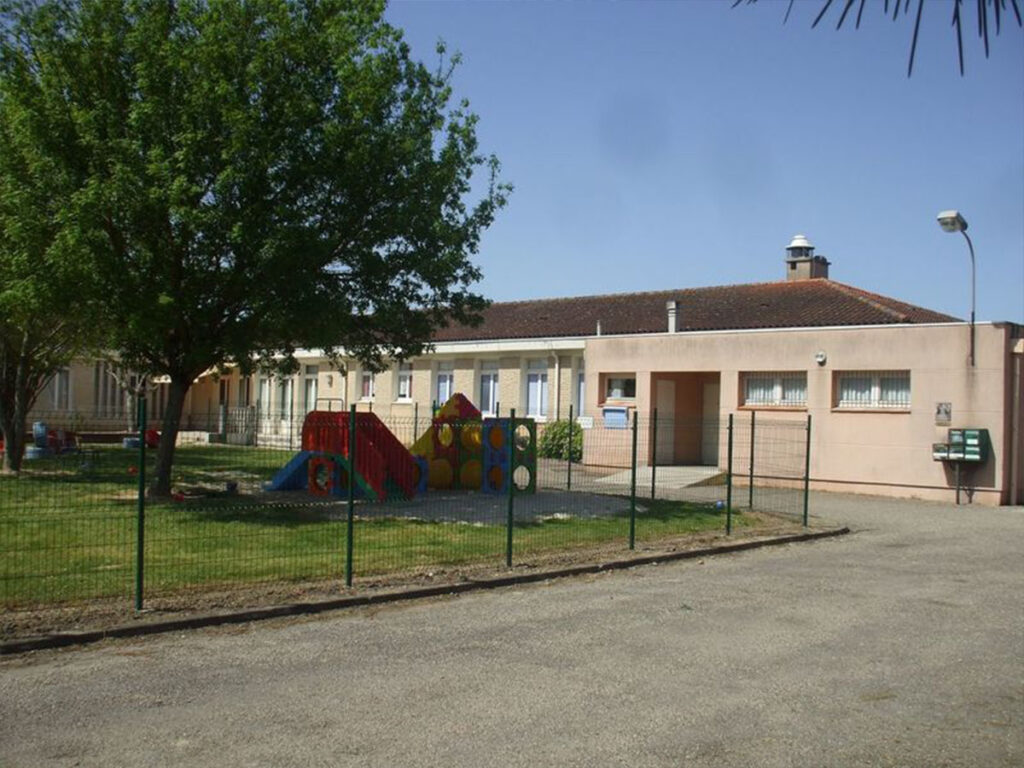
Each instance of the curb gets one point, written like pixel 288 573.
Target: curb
pixel 64 639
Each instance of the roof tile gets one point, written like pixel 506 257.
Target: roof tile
pixel 794 304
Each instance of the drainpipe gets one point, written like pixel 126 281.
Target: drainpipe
pixel 1015 435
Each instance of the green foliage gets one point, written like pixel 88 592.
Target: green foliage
pixel 44 275
pixel 554 441
pixel 250 178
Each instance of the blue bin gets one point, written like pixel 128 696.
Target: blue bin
pixel 39 434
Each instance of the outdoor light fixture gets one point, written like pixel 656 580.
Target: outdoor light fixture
pixel 952 221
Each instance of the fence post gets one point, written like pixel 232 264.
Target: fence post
pixel 568 476
pixel 807 470
pixel 728 483
pixel 511 487
pixel 140 533
pixel 415 420
pixel 351 517
pixel 632 491
pixel 750 489
pixel 654 450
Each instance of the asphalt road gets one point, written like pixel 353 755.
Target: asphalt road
pixel 900 645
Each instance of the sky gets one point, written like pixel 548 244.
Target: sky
pixel 659 145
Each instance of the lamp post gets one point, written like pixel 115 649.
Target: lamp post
pixel 952 221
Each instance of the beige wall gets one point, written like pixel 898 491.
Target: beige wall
pixel 512 371
pixel 867 452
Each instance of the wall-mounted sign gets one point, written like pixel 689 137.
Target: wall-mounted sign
pixel 943 413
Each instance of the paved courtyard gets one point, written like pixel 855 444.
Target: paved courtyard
pixel 900 645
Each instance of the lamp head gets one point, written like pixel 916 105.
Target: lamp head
pixel 952 221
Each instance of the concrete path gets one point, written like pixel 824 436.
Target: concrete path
pixel 900 645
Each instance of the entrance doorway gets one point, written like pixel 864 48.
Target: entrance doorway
pixel 665 402
pixel 710 423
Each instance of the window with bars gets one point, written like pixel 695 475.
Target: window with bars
pixel 873 389
pixel 775 388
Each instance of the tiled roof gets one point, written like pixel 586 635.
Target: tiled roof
pixel 794 304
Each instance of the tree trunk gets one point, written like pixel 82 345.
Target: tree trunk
pixel 17 401
pixel 14 446
pixel 168 439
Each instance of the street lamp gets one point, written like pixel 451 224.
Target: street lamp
pixel 952 221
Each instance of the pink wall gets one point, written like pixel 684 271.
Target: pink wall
pixel 885 453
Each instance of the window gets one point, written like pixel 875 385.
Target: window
pixel 62 389
pixel 404 390
pixel 367 385
pixel 619 388
pixel 489 388
pixel 873 389
pixel 108 394
pixel 778 388
pixel 445 386
pixel 244 391
pixel 284 399
pixel 263 395
pixel 310 387
pixel 537 388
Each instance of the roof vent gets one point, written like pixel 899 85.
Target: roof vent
pixel 672 307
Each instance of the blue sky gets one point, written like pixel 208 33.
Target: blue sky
pixel 681 144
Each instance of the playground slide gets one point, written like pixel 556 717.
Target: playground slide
pixel 293 475
pixel 382 464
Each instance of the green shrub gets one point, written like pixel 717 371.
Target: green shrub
pixel 554 441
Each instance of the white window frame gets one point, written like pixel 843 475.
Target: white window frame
pixel 367 385
pixel 876 399
pixel 537 375
pixel 489 382
pixel 776 382
pixel 445 372
pixel 403 381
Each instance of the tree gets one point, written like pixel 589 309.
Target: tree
pixel 989 15
pixel 259 176
pixel 43 324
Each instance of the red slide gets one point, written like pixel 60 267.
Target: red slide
pixel 380 455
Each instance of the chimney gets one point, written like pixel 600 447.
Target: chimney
pixel 673 315
pixel 801 263
pixel 598 327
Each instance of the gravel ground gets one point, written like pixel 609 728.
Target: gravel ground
pixel 901 645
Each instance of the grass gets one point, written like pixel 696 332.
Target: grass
pixel 68 528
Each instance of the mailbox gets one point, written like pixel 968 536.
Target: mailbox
pixel 967 444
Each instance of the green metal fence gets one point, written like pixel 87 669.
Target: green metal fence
pixel 75 524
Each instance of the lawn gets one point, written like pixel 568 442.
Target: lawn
pixel 68 528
